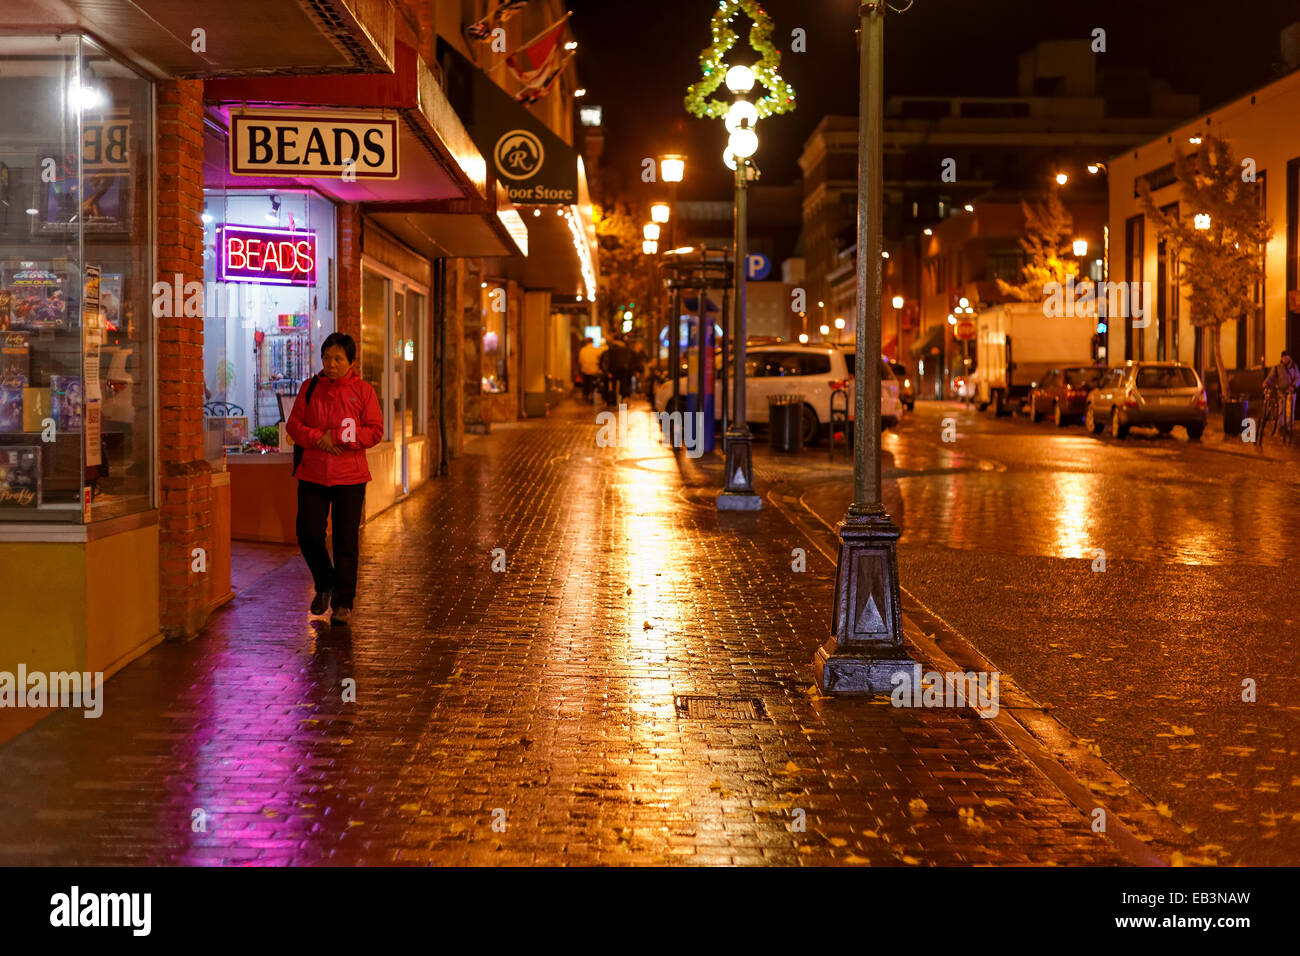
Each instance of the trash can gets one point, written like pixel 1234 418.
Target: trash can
pixel 785 422
pixel 1235 412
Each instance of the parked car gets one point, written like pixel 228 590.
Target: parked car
pixel 814 371
pixel 1063 393
pixel 1158 394
pixel 906 391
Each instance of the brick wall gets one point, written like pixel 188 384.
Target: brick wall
pixel 186 505
pixel 347 315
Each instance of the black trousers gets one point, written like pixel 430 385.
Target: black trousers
pixel 314 505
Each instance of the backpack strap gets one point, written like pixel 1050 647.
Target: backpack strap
pixel 298 449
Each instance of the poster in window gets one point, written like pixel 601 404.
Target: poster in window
pixel 20 476
pixel 35 296
pixel 67 402
pixel 99 203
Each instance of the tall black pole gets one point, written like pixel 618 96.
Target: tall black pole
pixel 865 650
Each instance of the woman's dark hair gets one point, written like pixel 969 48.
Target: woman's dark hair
pixel 343 341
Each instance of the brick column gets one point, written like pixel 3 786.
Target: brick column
pixel 347 315
pixel 185 508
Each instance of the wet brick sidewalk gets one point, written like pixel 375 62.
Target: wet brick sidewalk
pixel 528 716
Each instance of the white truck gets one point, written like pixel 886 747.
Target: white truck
pixel 1016 345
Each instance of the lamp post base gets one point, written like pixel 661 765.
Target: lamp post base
pixel 738 493
pixel 866 649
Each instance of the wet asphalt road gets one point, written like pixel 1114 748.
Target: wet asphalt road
pixel 1148 658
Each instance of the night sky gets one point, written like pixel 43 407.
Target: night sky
pixel 637 60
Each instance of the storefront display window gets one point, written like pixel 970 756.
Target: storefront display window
pixel 269 261
pixel 76 266
pixel 494 330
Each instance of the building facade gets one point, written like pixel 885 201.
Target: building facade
pixel 185 221
pixel 1260 128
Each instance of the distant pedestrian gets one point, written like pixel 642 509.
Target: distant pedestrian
pixel 335 418
pixel 589 367
pixel 619 363
pixel 638 363
pixel 1285 377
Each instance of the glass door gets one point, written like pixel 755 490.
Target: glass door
pixel 398 375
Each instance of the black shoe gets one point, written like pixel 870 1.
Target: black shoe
pixel 321 603
pixel 340 616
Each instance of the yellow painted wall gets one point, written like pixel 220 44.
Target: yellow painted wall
pixel 79 605
pixel 121 595
pixel 43 591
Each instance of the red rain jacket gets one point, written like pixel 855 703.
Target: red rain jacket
pixel 349 404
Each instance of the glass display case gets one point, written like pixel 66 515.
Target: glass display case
pixel 76 264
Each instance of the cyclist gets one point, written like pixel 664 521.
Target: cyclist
pixel 1285 377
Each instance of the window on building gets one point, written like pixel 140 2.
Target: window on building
pixel 76 283
pixel 494 308
pixel 268 259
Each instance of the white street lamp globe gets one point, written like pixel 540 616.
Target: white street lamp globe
pixel 660 212
pixel 1081 247
pixel 963 302
pixel 952 319
pixel 742 113
pixel 740 79
pixel 803 338
pixel 650 230
pixel 650 247
pixel 1202 220
pixel 825 330
pixel 839 323
pixel 744 143
pixel 729 158
pixel 898 301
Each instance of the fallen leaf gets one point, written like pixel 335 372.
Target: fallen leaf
pixel 918 807
pixel 1224 807
pixel 1163 810
pixel 1181 731
pixel 853 858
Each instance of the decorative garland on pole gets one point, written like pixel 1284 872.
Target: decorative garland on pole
pixel 779 97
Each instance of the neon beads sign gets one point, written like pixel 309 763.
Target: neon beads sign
pixel 273 256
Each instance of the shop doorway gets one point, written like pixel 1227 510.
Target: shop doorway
pixel 393 320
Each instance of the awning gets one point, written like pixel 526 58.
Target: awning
pixel 536 166
pixel 562 247
pixel 442 200
pixel 238 37
pixel 929 344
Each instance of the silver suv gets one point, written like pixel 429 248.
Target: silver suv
pixel 1156 394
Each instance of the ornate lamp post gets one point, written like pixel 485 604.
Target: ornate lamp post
pixel 865 650
pixel 738 444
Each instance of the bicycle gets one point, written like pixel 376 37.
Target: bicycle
pixel 1278 413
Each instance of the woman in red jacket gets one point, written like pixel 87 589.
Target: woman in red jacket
pixel 335 418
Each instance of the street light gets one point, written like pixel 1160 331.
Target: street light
pixel 650 247
pixel 803 338
pixel 738 492
pixel 865 653
pixel 825 330
pixel 1202 220
pixel 1062 179
pixel 1081 247
pixel 898 303
pixel 660 212
pixel 672 168
pixel 650 231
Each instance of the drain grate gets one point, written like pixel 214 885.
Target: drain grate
pixel 719 708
